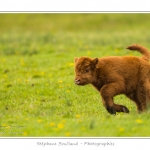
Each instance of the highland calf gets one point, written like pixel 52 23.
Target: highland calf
pixel 116 75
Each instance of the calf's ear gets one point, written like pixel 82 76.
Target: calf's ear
pixel 95 61
pixel 76 59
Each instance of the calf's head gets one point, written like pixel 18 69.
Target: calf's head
pixel 84 70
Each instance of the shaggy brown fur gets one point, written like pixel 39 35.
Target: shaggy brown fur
pixel 116 75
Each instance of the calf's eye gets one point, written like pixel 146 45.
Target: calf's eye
pixel 86 71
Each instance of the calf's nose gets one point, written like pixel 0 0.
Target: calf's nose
pixel 77 81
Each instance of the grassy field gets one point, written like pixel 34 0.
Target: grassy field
pixel 37 92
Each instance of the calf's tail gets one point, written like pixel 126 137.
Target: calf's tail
pixel 143 50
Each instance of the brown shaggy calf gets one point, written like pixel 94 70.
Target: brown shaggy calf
pixel 116 75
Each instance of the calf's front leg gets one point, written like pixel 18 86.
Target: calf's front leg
pixel 108 91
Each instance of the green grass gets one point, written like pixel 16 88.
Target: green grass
pixel 37 92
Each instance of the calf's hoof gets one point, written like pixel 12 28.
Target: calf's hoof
pixel 111 110
pixel 125 109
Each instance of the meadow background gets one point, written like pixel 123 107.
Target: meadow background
pixel 38 96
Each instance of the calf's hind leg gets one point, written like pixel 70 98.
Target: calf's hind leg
pixel 140 98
